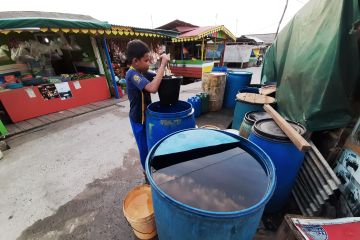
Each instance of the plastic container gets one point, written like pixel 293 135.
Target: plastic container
pixel 204 102
pixel 196 104
pixel 161 120
pixel 139 212
pixel 283 153
pixel 235 81
pixel 220 69
pixel 248 102
pixel 178 221
pixel 169 89
pixel 249 120
pixel 14 85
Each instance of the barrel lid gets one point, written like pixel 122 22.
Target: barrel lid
pixel 254 116
pixel 193 139
pixel 269 129
pixel 240 73
pixel 255 98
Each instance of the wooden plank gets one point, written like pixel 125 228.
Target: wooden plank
pixel 23 125
pixel 267 90
pixel 294 136
pixel 44 119
pixel 53 117
pixel 255 98
pixel 92 107
pixel 67 113
pixel 85 109
pixel 79 110
pixel 59 116
pixel 100 104
pixel 35 122
pixel 12 129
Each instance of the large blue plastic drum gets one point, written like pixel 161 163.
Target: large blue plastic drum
pixel 283 153
pixel 208 184
pixel 235 81
pixel 161 120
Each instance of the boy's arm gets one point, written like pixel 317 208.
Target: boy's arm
pixel 153 86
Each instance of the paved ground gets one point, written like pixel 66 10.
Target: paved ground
pixel 67 180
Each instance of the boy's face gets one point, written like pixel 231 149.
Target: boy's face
pixel 143 63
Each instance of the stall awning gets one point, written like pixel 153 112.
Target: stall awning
pixel 31 21
pixel 118 30
pixel 201 32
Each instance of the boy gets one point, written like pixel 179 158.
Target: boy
pixel 140 83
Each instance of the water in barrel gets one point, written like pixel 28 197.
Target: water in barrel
pixel 221 178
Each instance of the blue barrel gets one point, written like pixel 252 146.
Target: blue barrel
pixel 161 120
pixel 219 69
pixel 283 153
pixel 235 81
pixel 176 220
pixel 253 103
pixel 196 104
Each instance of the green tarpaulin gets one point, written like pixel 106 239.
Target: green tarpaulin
pixel 18 20
pixel 315 62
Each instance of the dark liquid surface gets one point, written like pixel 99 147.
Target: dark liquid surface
pixel 225 181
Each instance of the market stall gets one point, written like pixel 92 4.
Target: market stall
pixel 117 43
pixel 49 62
pixel 201 48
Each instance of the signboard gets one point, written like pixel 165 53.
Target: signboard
pixel 237 53
pixel 327 229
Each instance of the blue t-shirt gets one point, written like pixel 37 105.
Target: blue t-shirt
pixel 138 97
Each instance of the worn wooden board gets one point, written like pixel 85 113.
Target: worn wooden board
pixel 255 98
pixel 23 125
pixel 294 136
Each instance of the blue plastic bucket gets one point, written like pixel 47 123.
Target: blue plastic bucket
pixel 219 69
pixel 196 104
pixel 283 153
pixel 161 120
pixel 235 81
pixel 178 221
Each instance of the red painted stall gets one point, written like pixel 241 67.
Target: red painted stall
pixel 28 102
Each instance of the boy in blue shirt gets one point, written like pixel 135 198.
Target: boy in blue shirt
pixel 140 83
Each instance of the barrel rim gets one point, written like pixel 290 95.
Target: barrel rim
pixel 269 167
pixel 172 78
pixel 268 136
pixel 237 73
pixel 154 114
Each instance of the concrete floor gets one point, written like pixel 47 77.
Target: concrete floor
pixel 67 180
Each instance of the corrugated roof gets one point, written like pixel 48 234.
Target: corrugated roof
pixel 184 29
pixel 201 32
pixel 196 31
pixel 176 23
pixel 267 38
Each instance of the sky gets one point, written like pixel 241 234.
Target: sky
pixel 240 17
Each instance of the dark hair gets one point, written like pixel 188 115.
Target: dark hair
pixel 136 49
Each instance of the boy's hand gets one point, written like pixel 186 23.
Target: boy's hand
pixel 165 58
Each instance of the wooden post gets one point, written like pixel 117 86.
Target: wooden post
pixel 294 136
pixel 214 50
pixel 222 55
pixel 202 49
pixel 182 51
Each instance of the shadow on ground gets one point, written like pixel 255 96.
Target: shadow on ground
pixel 96 213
